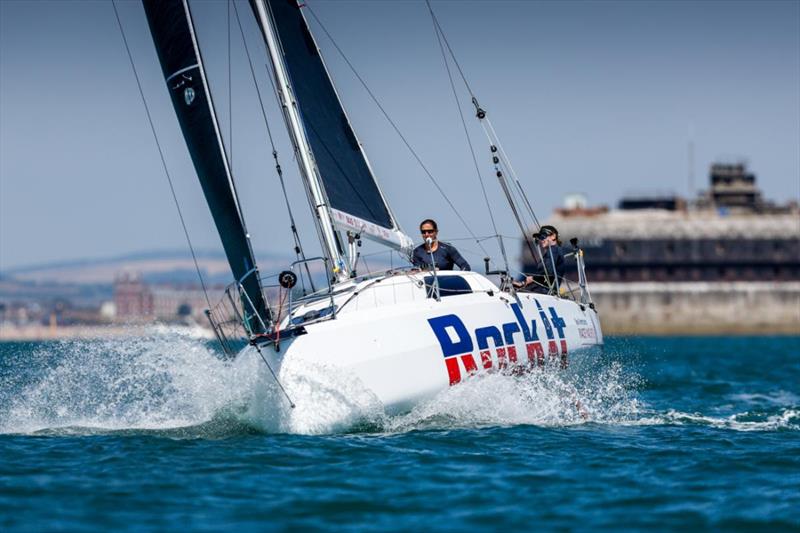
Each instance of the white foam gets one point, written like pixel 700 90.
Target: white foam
pixel 327 399
pixel 785 419
pixel 159 381
pixel 330 400
pixel 168 380
pixel 542 398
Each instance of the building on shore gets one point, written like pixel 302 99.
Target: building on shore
pixel 727 261
pixel 138 301
pixel 133 299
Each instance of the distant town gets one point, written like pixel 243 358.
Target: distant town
pixel 120 296
pixel 131 302
pixel 116 296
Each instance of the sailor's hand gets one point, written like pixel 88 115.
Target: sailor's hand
pixel 520 284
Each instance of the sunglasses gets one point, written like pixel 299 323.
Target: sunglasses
pixel 426 231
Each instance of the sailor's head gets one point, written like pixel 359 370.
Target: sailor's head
pixel 547 236
pixel 428 229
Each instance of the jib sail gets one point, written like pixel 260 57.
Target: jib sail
pixel 174 37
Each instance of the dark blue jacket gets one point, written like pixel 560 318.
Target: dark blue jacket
pixel 547 266
pixel 540 281
pixel 444 257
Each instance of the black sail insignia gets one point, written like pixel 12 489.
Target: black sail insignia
pixel 346 176
pixel 173 34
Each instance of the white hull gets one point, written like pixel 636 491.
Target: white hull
pixel 406 347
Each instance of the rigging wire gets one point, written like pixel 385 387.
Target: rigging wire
pixel 392 123
pixel 450 50
pixel 161 153
pixel 275 376
pixel 439 37
pixel 491 134
pixel 506 162
pixel 298 246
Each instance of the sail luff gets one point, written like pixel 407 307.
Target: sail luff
pixel 338 161
pixel 305 159
pixel 385 204
pixel 214 122
pixel 395 237
pixel 174 37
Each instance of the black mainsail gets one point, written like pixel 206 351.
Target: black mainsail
pixel 346 176
pixel 174 37
pixel 350 189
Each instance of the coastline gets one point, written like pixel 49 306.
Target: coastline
pixel 37 332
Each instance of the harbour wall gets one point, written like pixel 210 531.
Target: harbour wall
pixel 698 308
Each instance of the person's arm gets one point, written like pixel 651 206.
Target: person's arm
pixel 522 281
pixel 457 259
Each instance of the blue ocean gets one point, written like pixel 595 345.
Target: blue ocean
pixel 158 433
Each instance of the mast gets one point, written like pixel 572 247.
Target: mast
pixel 302 148
pixel 341 186
pixel 174 37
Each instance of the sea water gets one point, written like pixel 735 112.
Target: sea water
pixel 158 433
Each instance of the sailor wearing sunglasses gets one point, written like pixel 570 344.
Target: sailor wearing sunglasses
pixel 444 255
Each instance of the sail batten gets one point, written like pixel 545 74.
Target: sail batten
pixel 179 54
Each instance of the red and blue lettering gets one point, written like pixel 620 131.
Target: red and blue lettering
pixel 446 328
pixel 457 343
pixel 532 343
pixel 483 335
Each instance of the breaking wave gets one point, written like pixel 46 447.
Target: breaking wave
pixel 175 384
pixel 161 380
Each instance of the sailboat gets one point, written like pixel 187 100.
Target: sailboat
pixel 405 334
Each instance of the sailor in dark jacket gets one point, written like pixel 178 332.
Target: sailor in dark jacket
pixel 551 268
pixel 444 255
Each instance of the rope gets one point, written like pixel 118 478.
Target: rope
pixel 487 237
pixel 391 122
pixel 283 294
pixel 161 154
pixel 363 258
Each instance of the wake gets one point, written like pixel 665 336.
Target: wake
pixel 175 385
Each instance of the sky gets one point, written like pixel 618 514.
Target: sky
pixel 596 97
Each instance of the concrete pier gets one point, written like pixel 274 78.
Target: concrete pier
pixel 657 308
